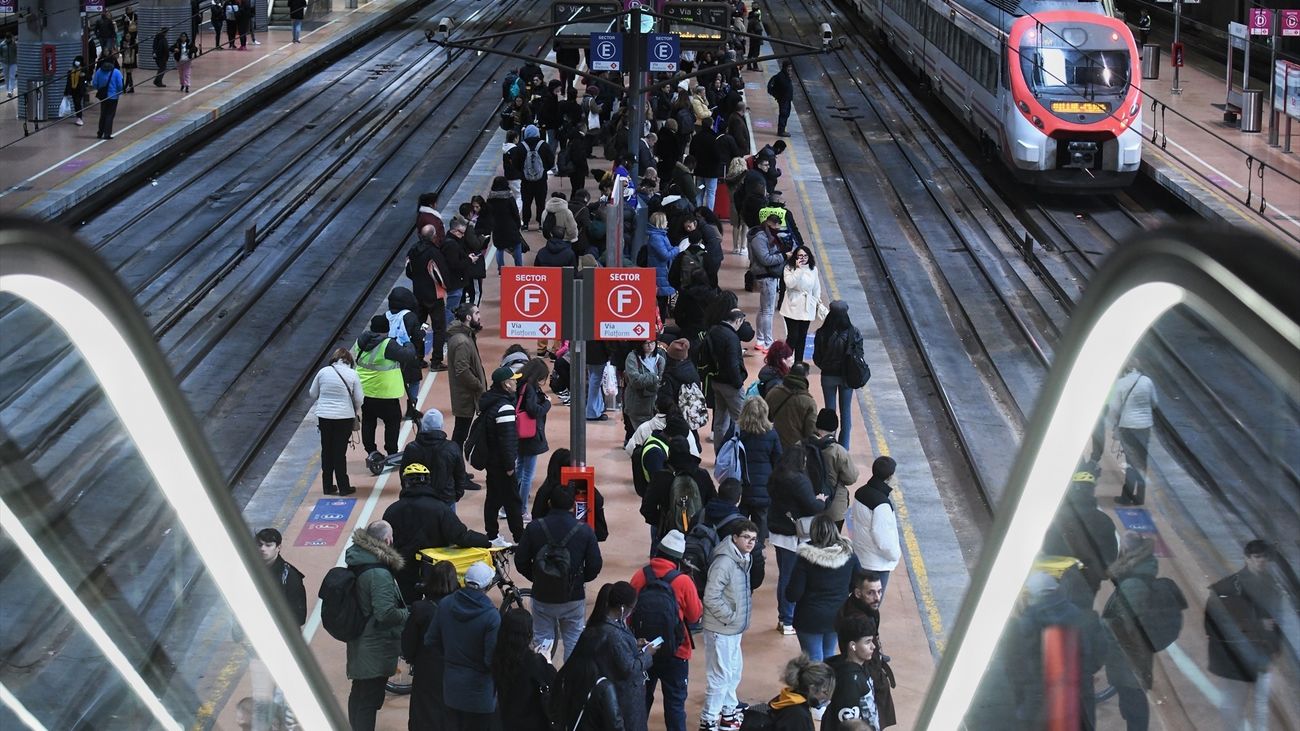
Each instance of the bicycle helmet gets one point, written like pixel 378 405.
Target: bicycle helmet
pixel 415 471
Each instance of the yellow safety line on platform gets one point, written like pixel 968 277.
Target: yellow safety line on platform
pixel 915 561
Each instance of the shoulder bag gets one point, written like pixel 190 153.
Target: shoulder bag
pixel 356 419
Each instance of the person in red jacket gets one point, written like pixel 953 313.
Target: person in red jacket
pixel 671 669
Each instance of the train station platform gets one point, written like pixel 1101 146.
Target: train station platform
pixel 48 172
pixel 1221 172
pixel 923 595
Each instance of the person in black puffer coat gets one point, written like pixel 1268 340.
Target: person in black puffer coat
pixel 556 253
pixel 792 497
pixel 442 456
pixel 503 213
pixel 427 707
pixel 762 455
pixel 618 654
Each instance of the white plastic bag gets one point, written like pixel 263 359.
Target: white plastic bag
pixel 609 382
pixel 65 107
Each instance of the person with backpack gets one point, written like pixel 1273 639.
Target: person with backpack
pixel 725 358
pixel 1082 530
pixel 428 708
pixel 1128 614
pixel 499 438
pixel 781 88
pixel 668 604
pixel 642 370
pixel 681 383
pixel 676 495
pixel 875 525
pixel 559 223
pixel 464 632
pixel 404 327
pixel 794 503
pixel 728 605
pixel 443 456
pixel 854 697
pixel 822 578
pixel 793 409
pixel 532 157
pixel 560 555
pixel 523 676
pixel 372 654
pixel 776 365
pixel 422 518
pixel 838 469
pixel 379 360
pixel 1242 619
pixel 838 352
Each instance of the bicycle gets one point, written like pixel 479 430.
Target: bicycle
pixel 512 595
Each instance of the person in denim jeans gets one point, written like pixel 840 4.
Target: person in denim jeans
pixel 536 404
pixel 822 578
pixel 835 342
pixel 766 260
pixel 297 11
pixel 559 609
pixel 671 669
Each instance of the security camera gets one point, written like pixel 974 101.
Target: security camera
pixel 826 35
pixel 444 27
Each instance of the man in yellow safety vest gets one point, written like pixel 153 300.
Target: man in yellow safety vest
pixel 379 361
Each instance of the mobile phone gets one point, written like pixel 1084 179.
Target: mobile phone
pixel 653 644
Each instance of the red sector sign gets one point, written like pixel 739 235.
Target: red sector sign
pixel 1260 21
pixel 625 305
pixel 531 301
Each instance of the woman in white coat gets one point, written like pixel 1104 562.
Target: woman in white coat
pixel 337 390
pixel 803 298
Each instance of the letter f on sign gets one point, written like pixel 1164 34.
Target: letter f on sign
pixel 623 298
pixel 531 299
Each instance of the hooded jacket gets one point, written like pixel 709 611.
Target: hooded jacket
pixel 401 299
pixel 821 579
pixel 793 410
pixel 832 347
pixel 502 432
pixel 727 355
pixel 875 527
pixel 373 654
pixel 404 355
pixel 661 258
pixel 766 257
pixel 677 373
pixel 1131 660
pixel 790 712
pixel 421 520
pixel 503 213
pixel 661 482
pixel 446 464
pixel 642 385
pixel 556 253
pixel 565 226
pixel 840 472
pixel 466 379
pixel 854 696
pixel 542 498
pixel 728 601
pixel 464 632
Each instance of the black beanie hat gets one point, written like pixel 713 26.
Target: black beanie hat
pixel 827 420
pixel 379 324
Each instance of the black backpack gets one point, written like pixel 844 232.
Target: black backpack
pixel 656 613
pixel 698 555
pixel 548 226
pixel 815 466
pixel 341 613
pixel 564 163
pixel 856 370
pixel 476 444
pixel 553 565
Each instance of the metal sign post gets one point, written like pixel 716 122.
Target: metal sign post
pixel 1178 22
pixel 577 374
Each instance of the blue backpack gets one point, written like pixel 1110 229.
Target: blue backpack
pixel 730 461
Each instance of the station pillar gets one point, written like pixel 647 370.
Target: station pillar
pixel 172 15
pixel 54 26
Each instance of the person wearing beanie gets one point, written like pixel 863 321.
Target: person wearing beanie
pixel 793 409
pixel 464 634
pixel 502 213
pixel 618 654
pixel 875 525
pixel 682 462
pixel 380 361
pixel 840 470
pixel 1083 530
pixel 671 668
pixel 533 157
pixel 443 458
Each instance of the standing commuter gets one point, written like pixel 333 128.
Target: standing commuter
pixel 762 456
pixel 184 52
pixel 523 676
pixel 794 503
pixel 130 24
pixel 533 158
pixel 78 81
pixel 836 341
pixel 232 21
pixel 130 62
pixel 1144 27
pixel 534 405
pixel 339 398
pixel 855 697
pixel 782 90
pixel 840 470
pixel 442 456
pixel 803 299
pixel 428 708
pixel 559 597
pixel 808 685
pixel 252 21
pixel 286 575
pixel 502 211
pixel 1241 622
pixel 464 632
pixel 372 656
pixel 245 12
pixel 467 381
pixel 456 254
pixel 822 578
pixel 218 14
pixel 105 33
pixel 671 667
pixel 864 601
pixel 727 356
pixel 108 88
pixel 424 268
pixel 793 408
pixel 875 526
pixel 379 360
pixel 1132 402
pixel 297 11
pixel 766 264
pixel 754 25
pixel 728 605
pixel 160 53
pixel 621 657
pixel 498 405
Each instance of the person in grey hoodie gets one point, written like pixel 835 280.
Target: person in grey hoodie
pixel 464 633
pixel 727 607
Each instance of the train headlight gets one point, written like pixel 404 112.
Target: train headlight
pixel 1037 122
pixel 1133 110
pixel 1023 106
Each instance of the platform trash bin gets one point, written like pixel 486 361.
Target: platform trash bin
pixel 1150 61
pixel 1252 109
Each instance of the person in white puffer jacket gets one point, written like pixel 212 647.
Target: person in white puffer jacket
pixel 337 391
pixel 875 526
pixel 1131 405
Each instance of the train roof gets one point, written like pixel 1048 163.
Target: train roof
pixel 1001 13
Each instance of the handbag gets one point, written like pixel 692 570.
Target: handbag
pixel 356 420
pixel 578 721
pixel 802 527
pixel 65 106
pixel 524 421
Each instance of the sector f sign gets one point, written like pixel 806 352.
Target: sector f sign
pixel 624 304
pixel 531 302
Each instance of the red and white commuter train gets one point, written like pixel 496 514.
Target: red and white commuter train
pixel 1052 86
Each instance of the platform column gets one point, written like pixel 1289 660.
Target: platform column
pixel 60 27
pixel 174 15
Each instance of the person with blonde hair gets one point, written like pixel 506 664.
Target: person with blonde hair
pixel 660 256
pixel 762 455
pixel 808 685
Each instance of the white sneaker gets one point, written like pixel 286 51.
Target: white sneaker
pixel 256 42
pixel 80 123
pixel 501 514
pixel 501 542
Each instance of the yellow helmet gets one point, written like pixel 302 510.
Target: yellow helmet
pixel 415 468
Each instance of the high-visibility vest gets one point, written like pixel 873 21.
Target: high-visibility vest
pixel 766 211
pixel 380 376
pixel 651 442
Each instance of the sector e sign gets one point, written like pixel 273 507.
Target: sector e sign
pixel 624 304
pixel 531 302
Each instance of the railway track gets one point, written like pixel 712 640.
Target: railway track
pixel 317 182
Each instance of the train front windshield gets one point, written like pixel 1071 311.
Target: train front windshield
pixel 1075 71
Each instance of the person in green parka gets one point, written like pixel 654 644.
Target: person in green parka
pixel 372 656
